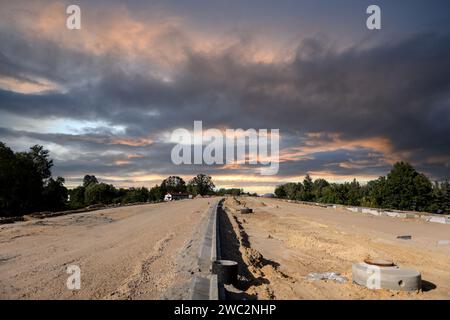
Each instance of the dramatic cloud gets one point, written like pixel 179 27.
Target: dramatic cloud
pixel 104 99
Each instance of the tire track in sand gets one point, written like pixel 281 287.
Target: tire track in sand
pixel 142 275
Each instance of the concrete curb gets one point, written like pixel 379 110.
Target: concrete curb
pixel 206 286
pixel 428 217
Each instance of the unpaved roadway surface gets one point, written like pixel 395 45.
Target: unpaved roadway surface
pixel 136 252
pixel 281 242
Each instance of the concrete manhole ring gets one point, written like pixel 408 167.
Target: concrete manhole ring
pixel 226 271
pixel 386 277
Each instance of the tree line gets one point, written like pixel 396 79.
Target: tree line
pixel 93 192
pixel 403 188
pixel 26 182
pixel 27 186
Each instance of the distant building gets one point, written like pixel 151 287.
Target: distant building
pixel 177 196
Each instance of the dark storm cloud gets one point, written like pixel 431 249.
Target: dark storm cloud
pixel 108 154
pixel 394 89
pixel 25 56
pixel 358 162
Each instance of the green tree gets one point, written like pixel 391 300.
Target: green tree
pixel 77 197
pixel 136 195
pixel 173 184
pixel 280 192
pixel 444 199
pixel 202 184
pixel 329 194
pixel 318 188
pixel 354 193
pixel 156 194
pixel 55 195
pixel 307 189
pixel 423 193
pixel 40 158
pixel 406 189
pixel 88 179
pixel 21 183
pixel 292 190
pixel 375 193
pixel 99 193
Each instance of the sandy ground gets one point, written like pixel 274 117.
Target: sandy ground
pixel 280 243
pixel 139 252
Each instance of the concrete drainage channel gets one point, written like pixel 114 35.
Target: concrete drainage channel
pixel 210 285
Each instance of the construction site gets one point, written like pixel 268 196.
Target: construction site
pixel 287 250
pixel 233 248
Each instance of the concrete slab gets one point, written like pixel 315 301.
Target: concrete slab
pixel 401 215
pixel 438 220
pixel 371 211
pixel 391 214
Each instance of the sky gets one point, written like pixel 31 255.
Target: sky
pixel 349 102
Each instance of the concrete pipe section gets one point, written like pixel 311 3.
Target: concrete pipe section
pixel 384 274
pixel 226 271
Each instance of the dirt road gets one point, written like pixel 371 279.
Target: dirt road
pixel 281 243
pixel 139 252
